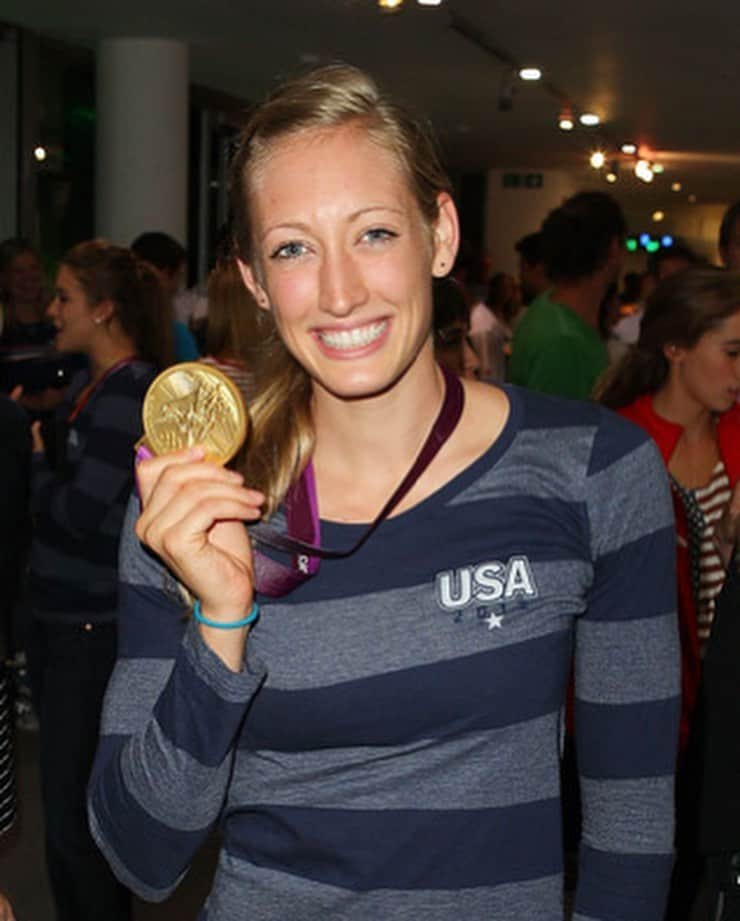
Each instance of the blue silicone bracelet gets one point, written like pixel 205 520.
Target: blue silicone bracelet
pixel 229 625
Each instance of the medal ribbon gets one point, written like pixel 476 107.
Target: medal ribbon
pixel 84 397
pixel 275 579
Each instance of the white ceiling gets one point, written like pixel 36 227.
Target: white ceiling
pixel 664 73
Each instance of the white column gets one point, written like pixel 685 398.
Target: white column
pixel 142 138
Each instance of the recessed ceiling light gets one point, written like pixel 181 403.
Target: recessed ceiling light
pixel 429 2
pixel 611 177
pixel 597 159
pixel 565 123
pixel 676 187
pixel 40 153
pixel 629 149
pixel 692 199
pixel 589 119
pixel 530 73
pixel 658 216
pixel 389 5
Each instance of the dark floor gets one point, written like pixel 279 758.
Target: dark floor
pixel 23 874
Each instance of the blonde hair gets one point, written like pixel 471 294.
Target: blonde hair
pixel 282 434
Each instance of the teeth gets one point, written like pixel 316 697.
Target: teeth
pixel 353 338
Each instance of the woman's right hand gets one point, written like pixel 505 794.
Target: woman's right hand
pixel 193 517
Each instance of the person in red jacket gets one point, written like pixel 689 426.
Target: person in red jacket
pixel 681 383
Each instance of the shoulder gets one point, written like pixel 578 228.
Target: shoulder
pixel 186 348
pixel 537 315
pixel 558 422
pixel 132 380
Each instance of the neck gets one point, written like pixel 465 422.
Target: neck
pixel 379 436
pixel 583 297
pixel 107 353
pixel 696 420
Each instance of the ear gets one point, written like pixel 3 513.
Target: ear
pixel 103 312
pixel 249 278
pixel 673 354
pixel 446 237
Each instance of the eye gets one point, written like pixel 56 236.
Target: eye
pixel 290 250
pixel 379 235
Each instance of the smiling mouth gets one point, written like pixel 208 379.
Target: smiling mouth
pixel 349 339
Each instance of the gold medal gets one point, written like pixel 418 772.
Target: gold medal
pixel 194 404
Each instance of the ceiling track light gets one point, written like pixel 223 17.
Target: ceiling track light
pixel 565 120
pixel 390 6
pixel 629 149
pixel 589 119
pixel 530 74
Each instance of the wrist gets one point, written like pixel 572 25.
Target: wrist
pixel 221 620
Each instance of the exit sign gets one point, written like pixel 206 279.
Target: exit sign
pixel 522 180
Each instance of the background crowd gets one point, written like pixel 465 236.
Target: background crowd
pixel 77 353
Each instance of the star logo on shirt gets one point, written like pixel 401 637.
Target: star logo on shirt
pixel 494 620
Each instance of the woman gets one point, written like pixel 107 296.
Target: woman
pixel 681 383
pixel 23 296
pixel 110 309
pixel 382 742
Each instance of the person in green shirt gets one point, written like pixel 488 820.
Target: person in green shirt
pixel 557 348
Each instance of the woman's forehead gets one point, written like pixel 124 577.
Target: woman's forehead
pixel 325 151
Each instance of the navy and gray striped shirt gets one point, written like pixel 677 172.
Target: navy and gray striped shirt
pixel 390 748
pixel 79 506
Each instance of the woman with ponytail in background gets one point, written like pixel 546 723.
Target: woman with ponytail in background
pixel 680 383
pixel 110 308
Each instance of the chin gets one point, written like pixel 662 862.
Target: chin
pixel 356 384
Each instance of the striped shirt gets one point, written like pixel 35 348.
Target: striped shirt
pixel 79 506
pixel 704 508
pixel 7 758
pixel 390 748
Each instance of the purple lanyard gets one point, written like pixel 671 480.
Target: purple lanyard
pixel 301 510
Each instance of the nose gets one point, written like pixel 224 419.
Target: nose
pixel 342 285
pixel 51 310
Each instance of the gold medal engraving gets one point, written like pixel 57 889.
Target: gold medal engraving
pixel 194 404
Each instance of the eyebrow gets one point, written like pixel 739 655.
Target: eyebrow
pixel 362 212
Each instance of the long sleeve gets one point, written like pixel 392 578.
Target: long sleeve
pixel 171 720
pixel 627 684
